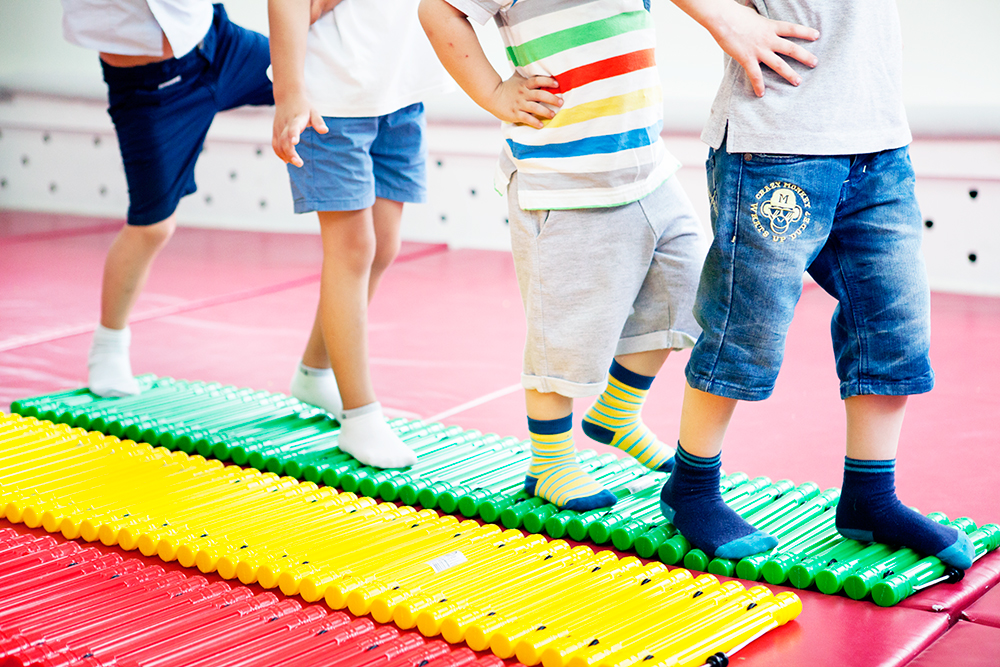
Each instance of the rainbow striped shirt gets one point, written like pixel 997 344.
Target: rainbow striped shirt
pixel 603 148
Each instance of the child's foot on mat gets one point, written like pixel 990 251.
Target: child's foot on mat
pixel 568 487
pixel 869 511
pixel 365 436
pixel 691 500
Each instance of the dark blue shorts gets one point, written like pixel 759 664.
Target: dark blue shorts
pixel 162 111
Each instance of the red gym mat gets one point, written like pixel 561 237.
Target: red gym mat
pixel 985 610
pixel 964 645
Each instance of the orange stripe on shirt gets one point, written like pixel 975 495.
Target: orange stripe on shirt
pixel 603 69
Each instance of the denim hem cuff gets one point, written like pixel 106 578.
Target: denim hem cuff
pixel 726 390
pixel 547 385
pixel 404 196
pixel 318 205
pixel 920 385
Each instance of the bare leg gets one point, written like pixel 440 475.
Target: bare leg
pixel 350 253
pixel 644 363
pixel 873 426
pixel 126 269
pixel 127 266
pixel 704 420
pixel 869 509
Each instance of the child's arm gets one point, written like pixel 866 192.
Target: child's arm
pixel 752 39
pixel 289 25
pixel 516 100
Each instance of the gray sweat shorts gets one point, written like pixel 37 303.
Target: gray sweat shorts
pixel 602 282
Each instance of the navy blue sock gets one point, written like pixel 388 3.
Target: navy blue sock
pixel 869 511
pixel 692 501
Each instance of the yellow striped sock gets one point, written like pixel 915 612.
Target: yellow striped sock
pixel 554 473
pixel 614 419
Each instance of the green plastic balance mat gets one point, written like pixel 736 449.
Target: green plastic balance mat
pixel 481 475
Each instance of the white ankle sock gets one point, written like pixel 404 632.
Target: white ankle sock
pixel 317 386
pixel 365 436
pixel 109 369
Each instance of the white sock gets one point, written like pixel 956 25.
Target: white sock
pixel 317 386
pixel 108 366
pixel 365 436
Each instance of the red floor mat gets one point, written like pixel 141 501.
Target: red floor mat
pixel 964 645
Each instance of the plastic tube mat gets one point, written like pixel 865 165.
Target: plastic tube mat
pixel 513 593
pixel 476 475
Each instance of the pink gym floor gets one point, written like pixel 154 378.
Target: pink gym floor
pixel 446 330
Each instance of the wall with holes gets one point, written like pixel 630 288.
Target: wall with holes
pixel 61 155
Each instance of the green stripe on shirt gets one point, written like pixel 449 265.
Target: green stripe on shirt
pixel 556 42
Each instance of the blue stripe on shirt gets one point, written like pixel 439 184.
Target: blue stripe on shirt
pixel 609 143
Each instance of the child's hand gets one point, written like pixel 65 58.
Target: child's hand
pixel 290 119
pixel 752 39
pixel 521 100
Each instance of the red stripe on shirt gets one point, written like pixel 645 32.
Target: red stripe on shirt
pixel 603 69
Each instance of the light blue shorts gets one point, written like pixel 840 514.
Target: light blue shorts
pixel 360 159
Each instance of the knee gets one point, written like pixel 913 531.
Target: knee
pixel 356 252
pixel 153 237
pixel 386 251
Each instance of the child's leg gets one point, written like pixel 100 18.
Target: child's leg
pixel 873 264
pixel 554 473
pixel 314 382
pixel 869 509
pixel 691 498
pixel 660 320
pixel 349 251
pixel 126 269
pixel 615 418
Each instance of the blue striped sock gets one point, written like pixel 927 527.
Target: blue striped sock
pixel 692 501
pixel 869 511
pixel 614 419
pixel 554 473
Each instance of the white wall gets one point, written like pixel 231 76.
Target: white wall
pixel 58 150
pixel 951 77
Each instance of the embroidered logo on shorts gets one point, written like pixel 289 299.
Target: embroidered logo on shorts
pixel 780 211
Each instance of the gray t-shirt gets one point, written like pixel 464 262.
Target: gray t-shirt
pixel 850 103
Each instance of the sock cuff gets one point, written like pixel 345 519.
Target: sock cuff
pixel 362 411
pixel 630 378
pixel 550 426
pixel 869 467
pixel 314 372
pixel 102 334
pixel 697 461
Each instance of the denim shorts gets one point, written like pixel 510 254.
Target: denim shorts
pixel 853 223
pixel 162 111
pixel 360 159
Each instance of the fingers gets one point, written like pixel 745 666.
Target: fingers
pixel 793 50
pixel 752 68
pixel 782 68
pixel 317 122
pixel 785 29
pixel 283 141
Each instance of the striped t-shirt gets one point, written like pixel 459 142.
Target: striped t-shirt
pixel 603 148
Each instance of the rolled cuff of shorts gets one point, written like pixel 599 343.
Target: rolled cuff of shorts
pixel 658 340
pixel 152 216
pixel 550 385
pixel 394 194
pixel 726 390
pixel 865 387
pixel 314 205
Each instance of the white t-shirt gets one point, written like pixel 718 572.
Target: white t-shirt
pixel 136 27
pixel 370 58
